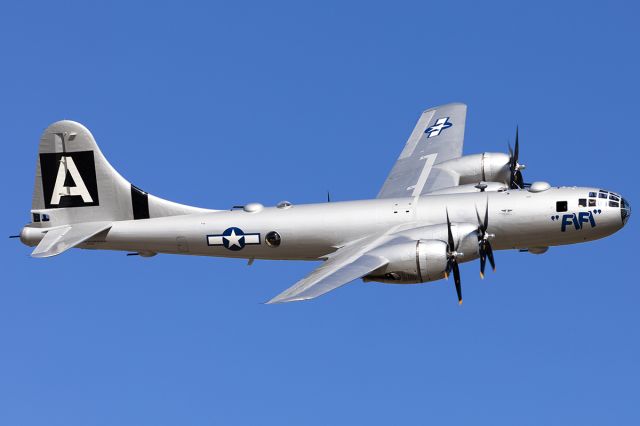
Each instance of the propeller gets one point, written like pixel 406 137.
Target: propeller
pixel 452 261
pixel 516 180
pixel 484 246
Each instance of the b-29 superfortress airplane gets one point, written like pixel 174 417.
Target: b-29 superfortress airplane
pixel 436 209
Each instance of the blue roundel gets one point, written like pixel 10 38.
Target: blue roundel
pixel 233 239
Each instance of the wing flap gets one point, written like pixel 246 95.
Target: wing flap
pixel 59 240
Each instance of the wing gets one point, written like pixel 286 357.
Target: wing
pixel 437 137
pixel 343 266
pixel 330 276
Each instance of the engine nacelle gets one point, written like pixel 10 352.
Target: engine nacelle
pixel 411 262
pixel 424 257
pixel 487 167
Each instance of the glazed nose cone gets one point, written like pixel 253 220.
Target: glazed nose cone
pixel 625 211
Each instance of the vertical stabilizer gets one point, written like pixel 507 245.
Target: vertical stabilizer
pixel 75 183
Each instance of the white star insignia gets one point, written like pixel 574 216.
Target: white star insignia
pixel 233 239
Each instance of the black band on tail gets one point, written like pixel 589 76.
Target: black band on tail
pixel 140 203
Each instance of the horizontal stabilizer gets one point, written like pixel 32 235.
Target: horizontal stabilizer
pixel 58 240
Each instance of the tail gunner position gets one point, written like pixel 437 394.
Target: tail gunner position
pixel 436 209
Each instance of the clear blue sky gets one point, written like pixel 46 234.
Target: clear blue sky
pixel 217 104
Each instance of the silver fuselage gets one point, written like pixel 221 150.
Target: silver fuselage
pixel 519 219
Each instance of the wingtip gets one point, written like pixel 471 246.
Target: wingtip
pixel 450 104
pixel 280 300
pixel 41 255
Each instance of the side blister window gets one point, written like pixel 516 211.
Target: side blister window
pixel 273 239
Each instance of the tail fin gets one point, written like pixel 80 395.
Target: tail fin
pixel 75 183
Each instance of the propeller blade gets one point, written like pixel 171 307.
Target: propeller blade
pixel 484 246
pixel 449 234
pixel 517 148
pixel 515 177
pixel 452 263
pixel 490 256
pixel 512 168
pixel 456 279
pixel 519 179
pixel 485 224
pixel 480 225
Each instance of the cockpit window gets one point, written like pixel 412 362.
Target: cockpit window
pixel 614 204
pixel 613 197
pixel 561 206
pixel 592 202
pixel 593 194
pixel 602 195
pixel 582 202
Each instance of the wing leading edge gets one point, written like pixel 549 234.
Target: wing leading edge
pixel 437 137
